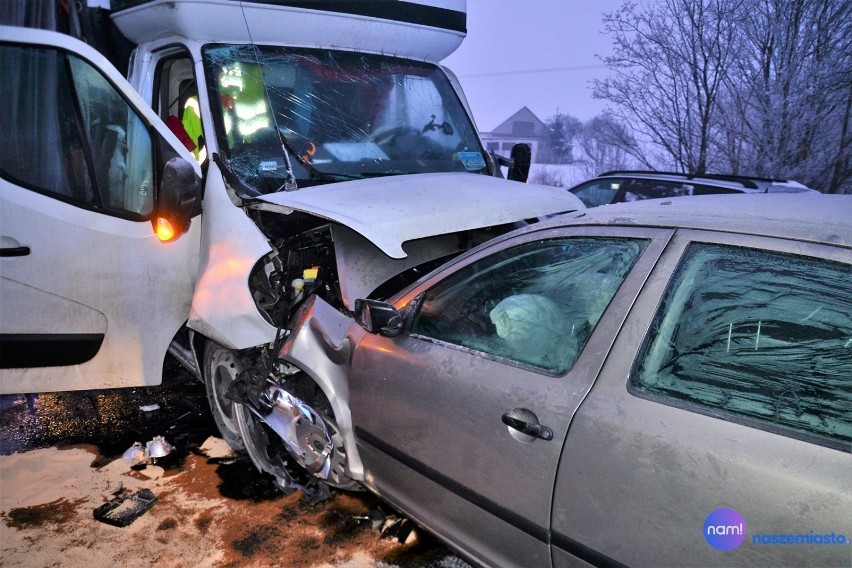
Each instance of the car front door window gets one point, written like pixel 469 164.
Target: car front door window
pixel 535 304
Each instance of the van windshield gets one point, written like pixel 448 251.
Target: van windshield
pixel 340 115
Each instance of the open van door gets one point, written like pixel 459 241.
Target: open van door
pixel 98 246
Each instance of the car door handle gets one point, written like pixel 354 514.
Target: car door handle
pixel 15 251
pixel 536 430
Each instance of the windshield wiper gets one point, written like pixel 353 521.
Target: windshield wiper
pixel 316 174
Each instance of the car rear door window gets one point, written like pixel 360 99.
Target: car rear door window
pixel 639 189
pixel 755 336
pixel 714 190
pixel 535 304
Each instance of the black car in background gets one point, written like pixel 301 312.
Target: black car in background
pixel 633 185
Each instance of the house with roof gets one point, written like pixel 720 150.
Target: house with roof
pixel 522 127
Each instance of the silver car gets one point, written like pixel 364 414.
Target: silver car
pixel 662 383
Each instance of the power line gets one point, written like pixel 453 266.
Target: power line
pixel 532 71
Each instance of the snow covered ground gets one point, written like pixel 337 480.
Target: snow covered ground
pixel 49 494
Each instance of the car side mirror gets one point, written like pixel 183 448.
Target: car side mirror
pixel 179 199
pixel 378 317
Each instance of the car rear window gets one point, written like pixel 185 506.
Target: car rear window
pixel 756 336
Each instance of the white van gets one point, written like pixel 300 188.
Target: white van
pixel 309 154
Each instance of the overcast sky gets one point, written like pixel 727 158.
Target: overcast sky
pixel 508 44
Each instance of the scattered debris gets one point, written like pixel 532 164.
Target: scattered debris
pixel 125 508
pixel 315 491
pixel 156 448
pixel 399 529
pixel 135 454
pixel 376 518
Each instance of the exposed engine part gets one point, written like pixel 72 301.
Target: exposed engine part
pixel 304 265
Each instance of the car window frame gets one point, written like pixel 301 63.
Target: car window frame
pixel 638 325
pixel 591 357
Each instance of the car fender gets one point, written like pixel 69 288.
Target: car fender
pixel 321 344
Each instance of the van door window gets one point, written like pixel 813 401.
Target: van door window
pixel 177 103
pixel 68 133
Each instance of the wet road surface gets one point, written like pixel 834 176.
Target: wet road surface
pixel 111 421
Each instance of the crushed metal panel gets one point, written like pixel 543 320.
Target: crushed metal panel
pixel 126 508
pixel 320 345
pixel 392 210
pixel 222 306
pixel 362 267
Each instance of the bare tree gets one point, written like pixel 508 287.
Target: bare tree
pixel 754 87
pixel 794 84
pixel 603 142
pixel 667 71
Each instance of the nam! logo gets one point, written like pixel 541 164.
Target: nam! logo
pixel 724 529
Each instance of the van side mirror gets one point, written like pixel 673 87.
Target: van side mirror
pixel 378 317
pixel 521 160
pixel 179 197
pixel 518 165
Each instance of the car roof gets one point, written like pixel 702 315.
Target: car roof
pixel 745 185
pixel 801 216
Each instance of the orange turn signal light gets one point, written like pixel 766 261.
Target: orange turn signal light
pixel 165 231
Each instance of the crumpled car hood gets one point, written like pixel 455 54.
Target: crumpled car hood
pixel 391 210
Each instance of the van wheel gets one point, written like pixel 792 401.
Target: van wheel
pixel 220 368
